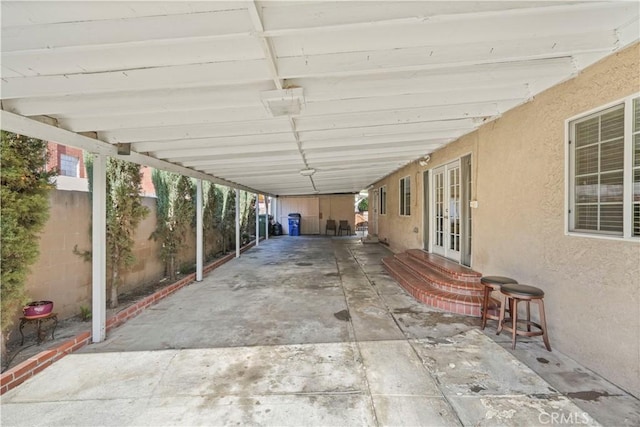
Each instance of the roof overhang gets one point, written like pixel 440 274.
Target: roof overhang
pixel 248 94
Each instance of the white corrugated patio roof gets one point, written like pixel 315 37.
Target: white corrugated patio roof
pixel 253 92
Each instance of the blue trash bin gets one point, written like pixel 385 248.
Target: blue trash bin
pixel 294 224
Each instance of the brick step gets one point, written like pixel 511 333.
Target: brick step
pixel 424 292
pixel 438 279
pixel 445 266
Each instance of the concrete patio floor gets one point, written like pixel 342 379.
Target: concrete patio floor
pixel 311 331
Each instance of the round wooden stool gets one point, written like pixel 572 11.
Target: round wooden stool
pixel 514 293
pixel 492 283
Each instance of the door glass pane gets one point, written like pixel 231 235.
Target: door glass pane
pixel 454 209
pixel 439 209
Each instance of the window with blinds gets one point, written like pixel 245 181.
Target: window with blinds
pixel 382 194
pixel 604 194
pixel 405 196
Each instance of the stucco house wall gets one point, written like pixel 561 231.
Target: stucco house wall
pixel 592 285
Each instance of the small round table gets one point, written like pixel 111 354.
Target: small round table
pixel 39 320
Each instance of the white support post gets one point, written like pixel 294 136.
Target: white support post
pixel 237 223
pixel 258 220
pixel 199 230
pixel 99 252
pixel 266 208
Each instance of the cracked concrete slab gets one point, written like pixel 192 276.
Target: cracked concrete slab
pixel 590 392
pixel 307 331
pixel 518 411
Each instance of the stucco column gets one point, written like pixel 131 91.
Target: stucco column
pixel 99 249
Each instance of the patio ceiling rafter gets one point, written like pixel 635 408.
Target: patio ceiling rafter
pixel 228 91
pixel 25 126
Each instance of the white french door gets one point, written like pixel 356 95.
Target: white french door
pixel 445 212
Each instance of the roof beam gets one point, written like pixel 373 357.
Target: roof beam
pixel 25 126
pixel 435 138
pixel 318 18
pixel 249 158
pixel 435 57
pixel 527 23
pixel 417 100
pixel 170 77
pixel 145 30
pixel 453 126
pixel 202 163
pixel 265 43
pixel 141 119
pixel 252 142
pixel 221 157
pixel 389 117
pixel 190 131
pixel 147 101
pixel 56 12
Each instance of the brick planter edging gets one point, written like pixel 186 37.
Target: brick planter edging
pixel 35 364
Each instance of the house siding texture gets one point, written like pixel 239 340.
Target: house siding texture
pixel 592 285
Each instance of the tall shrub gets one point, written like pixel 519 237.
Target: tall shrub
pixel 124 213
pixel 229 218
pixel 212 213
pixel 363 205
pixel 24 210
pixel 175 212
pixel 247 214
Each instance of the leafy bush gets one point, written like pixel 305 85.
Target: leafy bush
pixel 24 211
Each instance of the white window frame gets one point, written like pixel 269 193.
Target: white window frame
pixel 627 234
pixel 382 201
pixel 404 207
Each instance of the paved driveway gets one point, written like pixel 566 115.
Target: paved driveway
pixel 298 331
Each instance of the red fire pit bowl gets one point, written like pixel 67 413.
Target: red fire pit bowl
pixel 37 309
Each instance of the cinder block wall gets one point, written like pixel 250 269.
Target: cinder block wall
pixel 63 277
